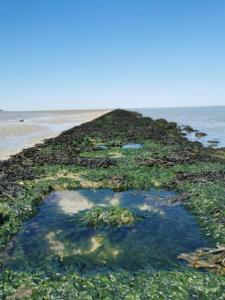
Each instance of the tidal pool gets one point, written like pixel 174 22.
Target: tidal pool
pixel 132 146
pixel 54 240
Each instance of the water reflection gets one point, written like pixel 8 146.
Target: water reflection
pixel 132 146
pixel 54 240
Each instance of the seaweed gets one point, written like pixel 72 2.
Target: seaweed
pixel 107 216
pixel 73 160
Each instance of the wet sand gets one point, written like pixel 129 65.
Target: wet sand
pixel 19 130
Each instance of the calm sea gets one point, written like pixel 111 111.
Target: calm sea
pixel 210 120
pixel 15 135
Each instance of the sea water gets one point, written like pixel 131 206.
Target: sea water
pixel 210 120
pixel 54 239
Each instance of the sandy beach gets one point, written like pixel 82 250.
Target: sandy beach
pixel 19 130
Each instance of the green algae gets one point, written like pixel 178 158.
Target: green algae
pixel 121 285
pixel 107 216
pixel 206 203
pixel 101 230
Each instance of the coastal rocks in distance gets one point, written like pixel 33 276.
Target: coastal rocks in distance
pixel 188 129
pixel 213 143
pixel 21 121
pixel 200 134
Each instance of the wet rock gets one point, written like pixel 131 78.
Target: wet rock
pixel 188 129
pixel 101 147
pixel 207 258
pixel 3 218
pixel 180 198
pixel 200 134
pixel 202 177
pixel 222 221
pixel 115 143
pixel 96 162
pixel 213 143
pixel 187 157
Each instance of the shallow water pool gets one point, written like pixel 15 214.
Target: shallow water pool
pixel 132 146
pixel 54 240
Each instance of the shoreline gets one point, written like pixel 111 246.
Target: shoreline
pixel 21 130
pixel 76 160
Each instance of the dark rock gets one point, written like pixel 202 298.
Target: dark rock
pixel 200 134
pixel 3 218
pixel 201 177
pixel 187 157
pixel 180 198
pixel 188 129
pixel 213 142
pixel 222 221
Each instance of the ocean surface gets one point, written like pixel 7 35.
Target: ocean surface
pixel 210 120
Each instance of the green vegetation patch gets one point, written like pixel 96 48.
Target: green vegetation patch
pixel 113 286
pixel 167 160
pixel 107 216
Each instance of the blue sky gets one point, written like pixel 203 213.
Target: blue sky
pixel 72 54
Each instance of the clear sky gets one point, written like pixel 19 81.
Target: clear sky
pixel 68 54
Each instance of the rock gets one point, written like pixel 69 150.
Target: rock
pixel 1 219
pixel 188 129
pixel 200 134
pixel 222 221
pixel 101 147
pixel 206 258
pixel 213 142
pixel 21 120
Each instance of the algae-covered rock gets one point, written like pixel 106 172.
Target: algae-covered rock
pixel 209 259
pixel 107 215
pixel 200 134
pixel 188 129
pixel 2 219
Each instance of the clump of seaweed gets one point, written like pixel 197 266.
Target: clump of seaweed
pixel 107 216
pixel 207 258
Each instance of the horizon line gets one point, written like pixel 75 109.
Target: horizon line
pixel 125 108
